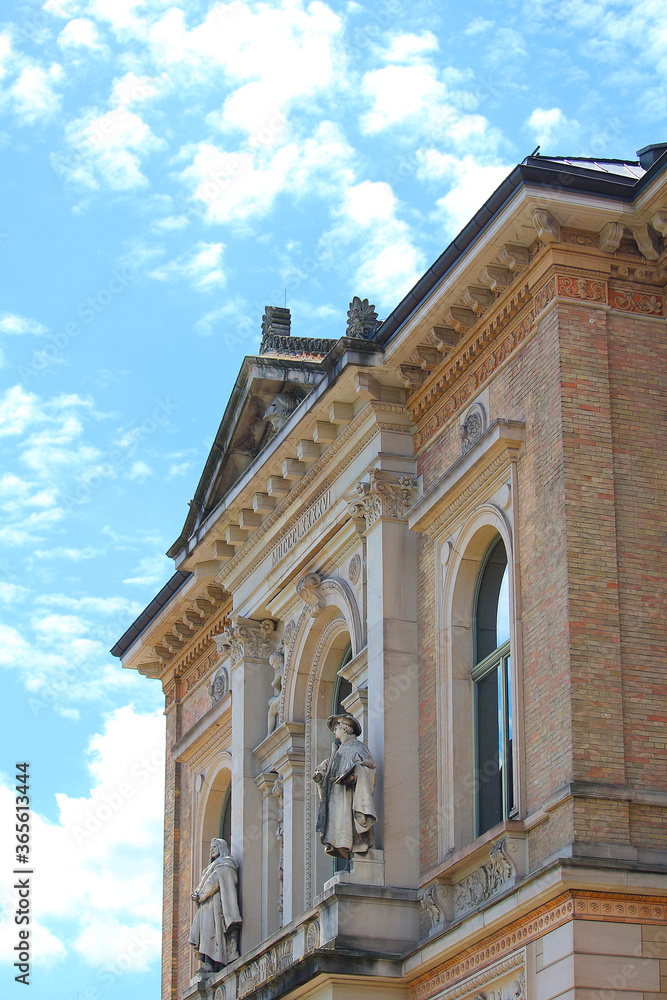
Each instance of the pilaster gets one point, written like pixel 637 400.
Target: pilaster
pixel 249 644
pixel 392 712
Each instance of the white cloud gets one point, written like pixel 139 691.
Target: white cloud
pixel 107 149
pixel 80 33
pixel 140 471
pixel 471 183
pixel 63 552
pixel 408 47
pixel 152 570
pixel 33 93
pixel 550 125
pixel 373 240
pixel 102 899
pixel 239 186
pixel 398 93
pixel 15 324
pixel 477 26
pixel 201 267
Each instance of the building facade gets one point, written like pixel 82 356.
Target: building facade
pixel 451 525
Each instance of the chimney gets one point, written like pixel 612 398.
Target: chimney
pixel 649 154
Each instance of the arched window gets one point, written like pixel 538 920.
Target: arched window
pixel 225 830
pixel 492 684
pixel 342 687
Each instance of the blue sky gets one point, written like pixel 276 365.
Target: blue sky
pixel 169 169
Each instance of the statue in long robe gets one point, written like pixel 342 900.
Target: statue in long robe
pixel 346 782
pixel 215 929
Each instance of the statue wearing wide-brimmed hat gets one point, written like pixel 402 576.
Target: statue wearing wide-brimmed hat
pixel 346 782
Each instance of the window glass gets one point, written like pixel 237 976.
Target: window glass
pixel 493 692
pixel 492 618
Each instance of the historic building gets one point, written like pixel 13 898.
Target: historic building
pixel 450 526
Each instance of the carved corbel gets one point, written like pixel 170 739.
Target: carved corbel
pixel 611 236
pixel 659 222
pixel 478 298
pixel 647 241
pixel 308 589
pixel 516 257
pixel 461 319
pixel 444 338
pixel 546 226
pixel 496 277
pixel 436 901
pixel 411 376
pixel 426 357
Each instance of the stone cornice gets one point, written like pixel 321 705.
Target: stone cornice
pixel 574 903
pixel 375 408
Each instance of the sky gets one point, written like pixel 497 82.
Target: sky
pixel 169 169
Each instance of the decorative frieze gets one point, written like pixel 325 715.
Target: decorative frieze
pixel 265 967
pixel 582 904
pixel 484 882
pixel 636 302
pixel 315 512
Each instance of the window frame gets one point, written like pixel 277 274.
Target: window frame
pixel 499 659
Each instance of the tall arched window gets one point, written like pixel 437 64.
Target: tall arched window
pixel 342 687
pixel 225 829
pixel 492 683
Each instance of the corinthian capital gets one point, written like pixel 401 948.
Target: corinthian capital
pixel 385 495
pixel 249 640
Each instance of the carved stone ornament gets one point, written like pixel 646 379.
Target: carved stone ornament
pixel 277 664
pixel 308 589
pixel 384 495
pixel 485 881
pixel 362 319
pixel 313 935
pixel 281 409
pixel 249 641
pixel 354 569
pixel 472 428
pixel 219 685
pixel 265 966
pixel 433 903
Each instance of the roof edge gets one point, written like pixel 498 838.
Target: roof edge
pixel 150 612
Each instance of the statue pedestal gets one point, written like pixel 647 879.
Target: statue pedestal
pixel 367 869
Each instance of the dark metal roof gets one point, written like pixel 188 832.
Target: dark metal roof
pixel 551 173
pixel 150 612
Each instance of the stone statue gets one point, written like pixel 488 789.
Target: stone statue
pixel 345 782
pixel 215 929
pixel 277 663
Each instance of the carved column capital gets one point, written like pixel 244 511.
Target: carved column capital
pixel 246 640
pixel 385 495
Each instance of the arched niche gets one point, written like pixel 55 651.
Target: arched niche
pixel 214 799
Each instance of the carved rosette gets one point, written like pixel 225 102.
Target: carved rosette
pixel 386 495
pixel 246 641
